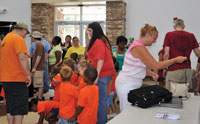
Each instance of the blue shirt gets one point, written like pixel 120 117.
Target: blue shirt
pixel 46 47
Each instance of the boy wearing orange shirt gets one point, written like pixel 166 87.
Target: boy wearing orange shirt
pixel 88 100
pixel 44 109
pixel 68 95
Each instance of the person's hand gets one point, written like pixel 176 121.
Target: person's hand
pixel 56 80
pixel 33 70
pixel 180 59
pixel 28 80
pixel 155 77
pixel 72 119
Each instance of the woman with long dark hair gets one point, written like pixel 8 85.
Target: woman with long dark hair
pixel 99 52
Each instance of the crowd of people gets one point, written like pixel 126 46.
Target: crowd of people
pixel 85 78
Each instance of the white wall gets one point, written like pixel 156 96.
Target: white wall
pixel 18 11
pixel 160 13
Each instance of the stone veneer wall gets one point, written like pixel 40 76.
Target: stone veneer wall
pixel 42 19
pixel 115 20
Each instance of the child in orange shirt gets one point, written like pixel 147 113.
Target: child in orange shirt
pixel 47 110
pixel 71 63
pixel 68 95
pixel 88 100
pixel 82 66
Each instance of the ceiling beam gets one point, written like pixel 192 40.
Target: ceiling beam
pixel 65 1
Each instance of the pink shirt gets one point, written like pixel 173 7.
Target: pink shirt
pixel 133 68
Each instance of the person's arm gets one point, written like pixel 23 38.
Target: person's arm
pixel 197 52
pixel 25 66
pixel 36 63
pixel 166 53
pixel 197 69
pixel 142 53
pixel 99 67
pixel 58 56
pixel 41 119
pixel 74 117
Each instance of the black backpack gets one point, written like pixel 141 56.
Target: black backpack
pixel 147 96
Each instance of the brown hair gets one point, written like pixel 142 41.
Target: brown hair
pixel 148 29
pixel 69 62
pixel 66 73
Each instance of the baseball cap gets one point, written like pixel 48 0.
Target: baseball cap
pixel 22 25
pixel 36 34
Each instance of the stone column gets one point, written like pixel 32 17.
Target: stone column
pixel 42 19
pixel 115 20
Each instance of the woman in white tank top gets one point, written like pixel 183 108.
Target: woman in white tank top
pixel 136 60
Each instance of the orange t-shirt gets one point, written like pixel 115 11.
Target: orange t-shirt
pixel 57 87
pixel 81 83
pixel 74 78
pixel 47 106
pixel 68 96
pixel 89 99
pixel 100 51
pixel 10 67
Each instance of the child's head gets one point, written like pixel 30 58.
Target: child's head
pixel 82 66
pixel 66 73
pixel 33 105
pixel 90 75
pixel 74 56
pixel 69 62
pixel 81 58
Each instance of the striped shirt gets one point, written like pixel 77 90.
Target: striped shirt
pixel 133 68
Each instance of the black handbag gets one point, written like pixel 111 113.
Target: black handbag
pixel 145 97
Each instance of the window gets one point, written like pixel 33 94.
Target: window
pixel 73 20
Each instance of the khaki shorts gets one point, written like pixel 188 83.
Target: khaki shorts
pixel 179 76
pixel 38 79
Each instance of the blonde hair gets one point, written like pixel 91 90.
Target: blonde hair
pixel 148 29
pixel 84 64
pixel 66 73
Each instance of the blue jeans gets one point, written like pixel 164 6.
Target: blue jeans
pixel 46 78
pixel 102 109
pixel 65 121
